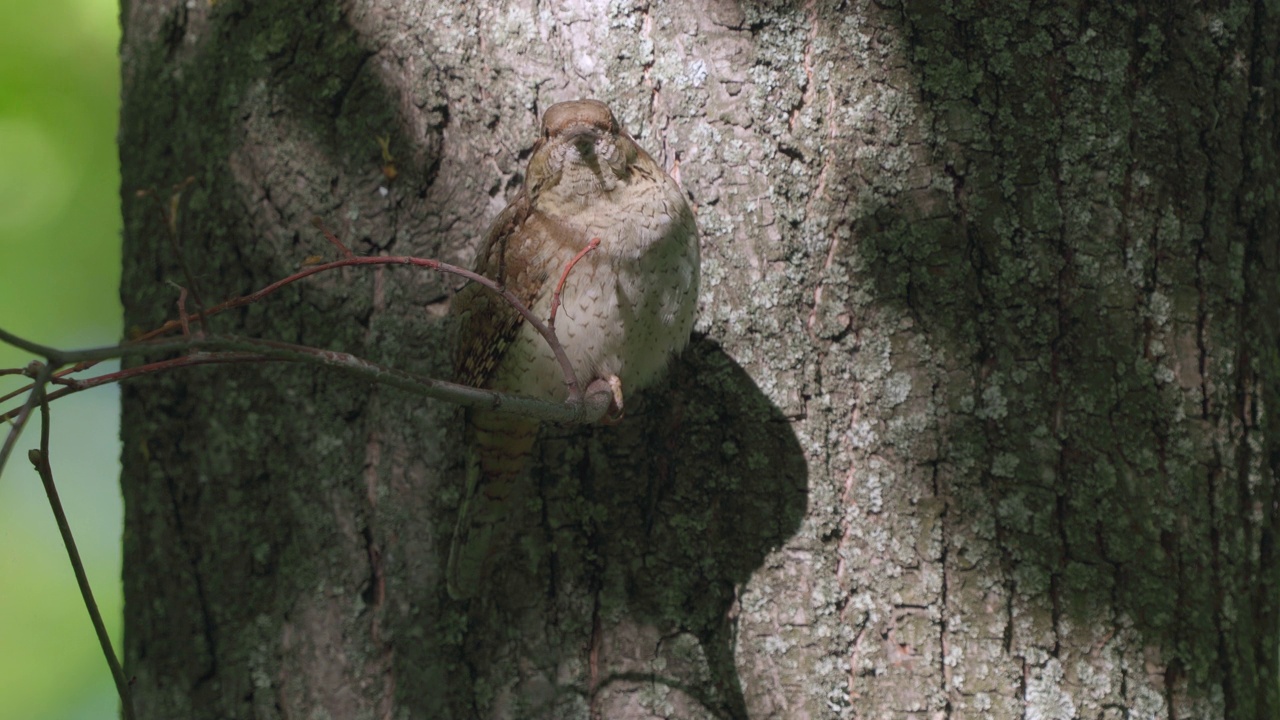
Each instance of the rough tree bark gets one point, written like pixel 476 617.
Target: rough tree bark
pixel 978 420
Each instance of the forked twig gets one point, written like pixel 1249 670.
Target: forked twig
pixel 169 213
pixel 85 361
pixel 223 349
pixel 23 414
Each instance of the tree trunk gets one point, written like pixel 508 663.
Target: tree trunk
pixel 978 419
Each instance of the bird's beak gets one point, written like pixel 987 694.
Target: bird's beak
pixel 584 138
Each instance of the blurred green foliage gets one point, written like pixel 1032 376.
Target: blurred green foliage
pixel 59 270
pixel 59 176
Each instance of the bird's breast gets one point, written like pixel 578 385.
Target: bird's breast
pixel 626 307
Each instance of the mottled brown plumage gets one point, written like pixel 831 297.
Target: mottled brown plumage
pixel 627 308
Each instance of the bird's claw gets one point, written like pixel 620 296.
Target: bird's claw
pixel 614 414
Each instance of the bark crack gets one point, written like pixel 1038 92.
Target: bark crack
pixel 209 626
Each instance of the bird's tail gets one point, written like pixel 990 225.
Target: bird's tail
pixel 498 452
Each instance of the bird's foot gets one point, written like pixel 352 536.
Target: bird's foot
pixel 614 414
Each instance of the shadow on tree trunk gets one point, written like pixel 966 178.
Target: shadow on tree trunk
pixel 623 588
pixel 1104 442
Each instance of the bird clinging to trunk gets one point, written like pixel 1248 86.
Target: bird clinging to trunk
pixel 626 307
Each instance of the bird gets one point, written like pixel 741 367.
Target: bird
pixel 626 307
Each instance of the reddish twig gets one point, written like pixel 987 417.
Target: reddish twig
pixel 571 380
pixel 555 296
pixel 77 385
pixel 55 378
pixel 169 214
pixel 212 350
pixel 333 239
pixel 182 312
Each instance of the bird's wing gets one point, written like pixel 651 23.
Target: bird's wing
pixel 487 324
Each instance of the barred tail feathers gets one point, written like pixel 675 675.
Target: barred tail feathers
pixel 498 452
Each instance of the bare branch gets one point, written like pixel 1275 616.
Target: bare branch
pixel 224 349
pixel 22 414
pixel 231 349
pixel 333 239
pixel 93 356
pixel 169 213
pixel 40 459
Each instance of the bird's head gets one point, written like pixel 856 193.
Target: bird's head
pixel 582 155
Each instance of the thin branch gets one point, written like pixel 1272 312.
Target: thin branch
pixel 22 414
pixel 87 358
pixel 555 296
pixel 333 239
pixel 235 349
pixel 79 367
pixel 182 312
pixel 52 354
pixel 40 459
pixel 169 213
